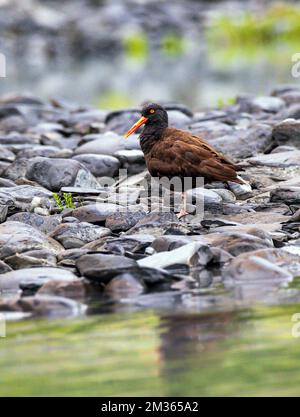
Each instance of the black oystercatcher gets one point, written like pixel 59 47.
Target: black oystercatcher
pixel 171 152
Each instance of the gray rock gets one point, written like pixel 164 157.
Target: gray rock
pixel 16 237
pixel 125 219
pixel 17 169
pixel 287 132
pixel 44 224
pixel 240 190
pixel 33 258
pixel 290 97
pixel 77 289
pixel 46 127
pixel 75 235
pixel 254 269
pixel 178 119
pixel 106 144
pixel 6 183
pixel 245 142
pixel 289 195
pixel 155 278
pixel 6 154
pixel 44 305
pixel 44 151
pixel 159 223
pixel 121 120
pixel 4 267
pixel 283 148
pixel 277 160
pixel 211 129
pixel 226 195
pixel 192 254
pixel 18 139
pixel 132 160
pixel 102 268
pixel 280 257
pixel 123 244
pixel 68 257
pixel 203 196
pixel 21 196
pixel 263 103
pixel 99 165
pixel 3 212
pixel 236 243
pixel 291 112
pixel 278 91
pixel 33 276
pixel 123 286
pixel 54 174
pixel 94 213
pixel 169 243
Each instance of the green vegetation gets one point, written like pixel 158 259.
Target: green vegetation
pixel 279 23
pixel 222 102
pixel 172 45
pixel 66 201
pixel 272 35
pixel 248 353
pixel 113 100
pixel 136 45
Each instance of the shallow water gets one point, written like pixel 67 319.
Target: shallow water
pixel 246 352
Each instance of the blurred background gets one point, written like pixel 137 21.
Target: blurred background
pixel 119 53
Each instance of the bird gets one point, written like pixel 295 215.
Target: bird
pixel 171 152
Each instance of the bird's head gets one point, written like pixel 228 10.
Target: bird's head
pixel 151 114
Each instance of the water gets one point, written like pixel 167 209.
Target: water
pixel 196 79
pixel 246 352
pixel 196 342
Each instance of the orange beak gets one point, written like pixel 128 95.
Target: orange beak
pixel 139 123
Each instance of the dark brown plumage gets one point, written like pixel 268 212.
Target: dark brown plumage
pixel 179 153
pixel 171 152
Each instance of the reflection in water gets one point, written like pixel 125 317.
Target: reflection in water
pixel 150 353
pixel 185 335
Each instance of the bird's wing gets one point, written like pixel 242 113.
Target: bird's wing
pixel 179 153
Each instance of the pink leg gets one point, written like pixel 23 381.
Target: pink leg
pixel 183 211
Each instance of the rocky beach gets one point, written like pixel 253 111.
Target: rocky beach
pixel 105 290
pixel 71 245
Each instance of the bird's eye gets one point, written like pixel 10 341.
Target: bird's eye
pixel 152 111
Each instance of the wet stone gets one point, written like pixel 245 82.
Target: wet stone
pixel 77 289
pixel 254 269
pixel 44 305
pixel 102 268
pixel 124 285
pixel 12 280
